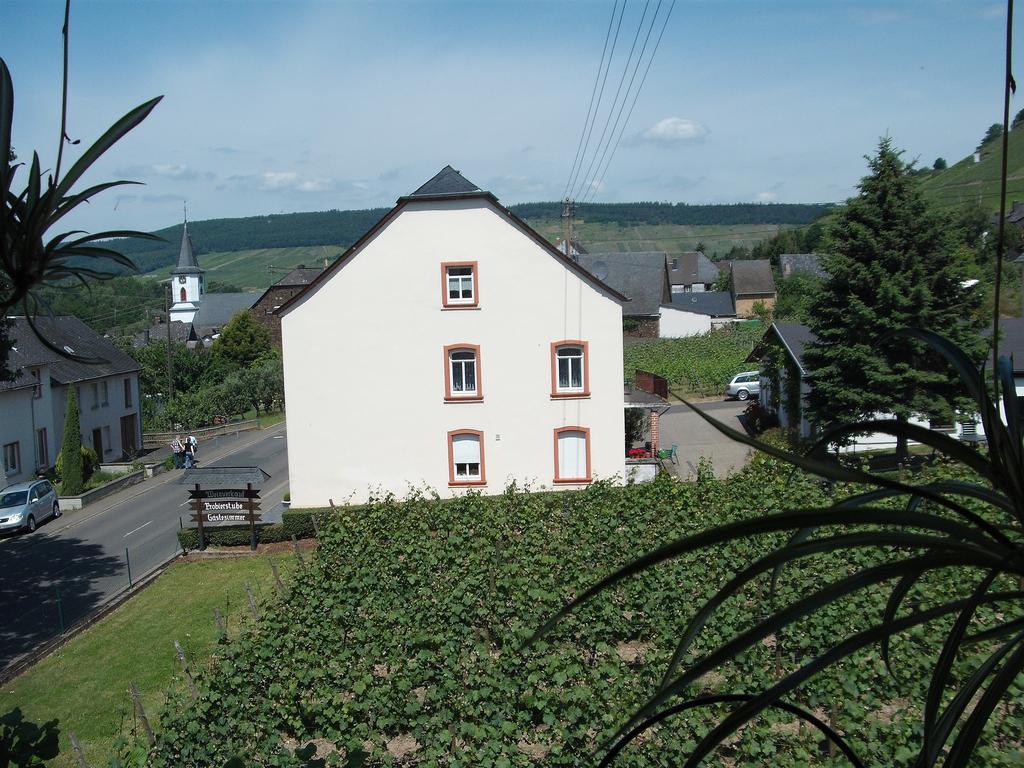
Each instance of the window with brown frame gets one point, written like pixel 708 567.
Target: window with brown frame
pixel 570 368
pixel 572 455
pixel 462 373
pixel 460 286
pixel 466 457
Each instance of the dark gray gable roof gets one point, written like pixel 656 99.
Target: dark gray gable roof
pixel 805 263
pixel 224 477
pixel 794 337
pixel 300 276
pixel 157 334
pixel 215 309
pixel 187 263
pixel 74 335
pixel 447 181
pixel 752 276
pixel 713 303
pixel 693 267
pixel 640 275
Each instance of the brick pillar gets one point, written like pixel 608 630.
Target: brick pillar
pixel 655 433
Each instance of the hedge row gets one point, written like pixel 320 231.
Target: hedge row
pixel 294 522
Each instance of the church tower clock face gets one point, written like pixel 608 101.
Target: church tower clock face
pixel 181 279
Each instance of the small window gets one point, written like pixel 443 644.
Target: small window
pixel 12 458
pixel 95 395
pixel 128 393
pixel 106 393
pixel 570 369
pixel 466 457
pixel 37 390
pixel 459 288
pixel 462 372
pixel 107 447
pixel 572 455
pixel 675 263
pixel 42 449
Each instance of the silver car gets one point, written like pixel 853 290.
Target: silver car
pixel 744 385
pixel 24 505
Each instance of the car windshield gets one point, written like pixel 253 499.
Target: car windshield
pixel 13 499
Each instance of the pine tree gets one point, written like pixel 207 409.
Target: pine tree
pixel 893 265
pixel 71 448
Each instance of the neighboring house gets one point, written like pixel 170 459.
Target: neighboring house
pixel 32 406
pixel 206 313
pixel 801 264
pixel 495 358
pixel 692 272
pixel 752 282
pixel 690 314
pixel 266 306
pixel 784 391
pixel 643 277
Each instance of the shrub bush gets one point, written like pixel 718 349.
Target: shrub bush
pixel 297 522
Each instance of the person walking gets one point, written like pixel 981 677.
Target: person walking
pixel 189 462
pixel 191 439
pixel 178 449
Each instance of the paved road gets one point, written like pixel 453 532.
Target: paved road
pixel 74 564
pixel 696 438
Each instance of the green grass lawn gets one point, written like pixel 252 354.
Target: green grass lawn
pixel 266 419
pixel 85 683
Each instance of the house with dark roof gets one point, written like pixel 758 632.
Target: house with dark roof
pixel 264 310
pixel 784 389
pixel 494 358
pixel 751 283
pixel 32 406
pixel 691 314
pixel 640 275
pixel 691 272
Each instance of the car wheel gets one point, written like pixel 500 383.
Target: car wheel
pixel 742 394
pixel 31 523
pixel 56 510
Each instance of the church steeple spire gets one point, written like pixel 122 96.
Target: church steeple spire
pixel 187 263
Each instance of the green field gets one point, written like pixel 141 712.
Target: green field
pixel 968 182
pixel 718 239
pixel 255 270
pixel 84 684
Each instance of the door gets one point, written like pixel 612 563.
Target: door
pixel 128 435
pixel 97 442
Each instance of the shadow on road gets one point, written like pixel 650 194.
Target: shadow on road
pixel 47 583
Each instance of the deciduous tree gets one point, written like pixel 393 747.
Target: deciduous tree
pixel 242 341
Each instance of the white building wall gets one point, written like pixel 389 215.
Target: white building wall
pixel 364 363
pixel 677 323
pixel 94 413
pixel 16 427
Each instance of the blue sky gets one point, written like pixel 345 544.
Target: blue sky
pixel 291 106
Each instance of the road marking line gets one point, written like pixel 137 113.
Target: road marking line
pixel 136 530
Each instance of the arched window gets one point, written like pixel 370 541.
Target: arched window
pixel 572 455
pixel 183 294
pixel 570 369
pixel 466 457
pixel 462 373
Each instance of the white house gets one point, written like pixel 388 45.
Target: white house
pixel 32 406
pixel 454 348
pixel 696 312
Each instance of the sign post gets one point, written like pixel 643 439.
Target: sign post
pixel 225 496
pixel 199 520
pixel 252 517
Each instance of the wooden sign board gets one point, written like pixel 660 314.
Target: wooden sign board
pixel 223 493
pixel 223 505
pixel 208 518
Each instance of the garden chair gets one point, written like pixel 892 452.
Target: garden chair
pixel 669 453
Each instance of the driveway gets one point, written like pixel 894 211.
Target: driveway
pixel 696 438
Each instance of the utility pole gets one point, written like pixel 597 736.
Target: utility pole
pixel 167 316
pixel 568 210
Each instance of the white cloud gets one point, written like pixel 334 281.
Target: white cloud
pixel 766 197
pixel 289 180
pixel 671 131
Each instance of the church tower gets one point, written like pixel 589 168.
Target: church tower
pixel 186 282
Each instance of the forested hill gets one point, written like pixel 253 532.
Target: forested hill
pixel 345 227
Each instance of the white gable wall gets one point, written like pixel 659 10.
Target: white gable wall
pixel 677 323
pixel 364 363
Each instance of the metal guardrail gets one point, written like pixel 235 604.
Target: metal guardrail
pixel 163 439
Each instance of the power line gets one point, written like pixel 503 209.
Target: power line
pixel 593 92
pixel 636 95
pixel 600 95
pixel 615 100
pixel 589 188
